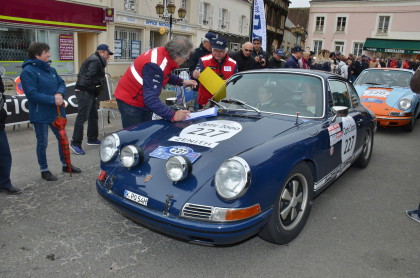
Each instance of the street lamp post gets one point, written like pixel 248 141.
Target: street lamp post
pixel 166 10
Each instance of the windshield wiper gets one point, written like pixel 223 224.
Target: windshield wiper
pixel 240 102
pixel 218 104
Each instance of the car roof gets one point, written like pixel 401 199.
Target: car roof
pixel 320 73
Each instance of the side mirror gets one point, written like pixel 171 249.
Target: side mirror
pixel 339 111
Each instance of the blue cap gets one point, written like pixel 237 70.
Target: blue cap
pixel 338 53
pixel 297 49
pixel 258 38
pixel 104 47
pixel 219 43
pixel 210 36
pixel 279 52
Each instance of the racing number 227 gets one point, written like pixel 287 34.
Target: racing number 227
pixel 207 132
pixel 348 144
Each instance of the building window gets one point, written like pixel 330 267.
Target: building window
pixel 383 24
pixel 125 36
pixel 319 25
pixel 358 49
pixel 130 5
pixel 243 24
pixel 339 47
pixel 206 12
pixel 234 46
pixel 288 37
pixel 223 18
pixel 341 24
pixel 317 47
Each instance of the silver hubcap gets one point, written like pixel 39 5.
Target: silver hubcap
pixel 293 201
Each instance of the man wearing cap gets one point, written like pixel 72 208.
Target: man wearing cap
pixel 293 61
pixel 243 57
pixel 277 61
pixel 259 55
pixel 89 85
pixel 203 50
pixel 220 62
pixel 138 90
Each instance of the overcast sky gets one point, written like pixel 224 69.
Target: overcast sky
pixel 299 3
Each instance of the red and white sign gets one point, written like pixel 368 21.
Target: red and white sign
pixel 66 45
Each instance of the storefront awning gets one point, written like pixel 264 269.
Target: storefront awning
pixel 52 13
pixel 392 46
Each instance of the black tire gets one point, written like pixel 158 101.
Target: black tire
pixel 364 158
pixel 292 207
pixel 410 126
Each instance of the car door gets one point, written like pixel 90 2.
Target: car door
pixel 342 132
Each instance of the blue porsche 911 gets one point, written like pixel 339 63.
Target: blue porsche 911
pixel 250 164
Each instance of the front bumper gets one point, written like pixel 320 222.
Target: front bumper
pixel 187 229
pixel 393 121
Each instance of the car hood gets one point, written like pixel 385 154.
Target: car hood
pixel 381 100
pixel 234 134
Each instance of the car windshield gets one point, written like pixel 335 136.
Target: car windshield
pixel 385 77
pixel 280 92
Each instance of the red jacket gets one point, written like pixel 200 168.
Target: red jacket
pixel 130 86
pixel 226 68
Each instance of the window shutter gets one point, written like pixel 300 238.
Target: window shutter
pixel 200 13
pixel 228 22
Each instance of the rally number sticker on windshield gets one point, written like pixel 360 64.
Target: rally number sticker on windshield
pixel 348 138
pixel 208 134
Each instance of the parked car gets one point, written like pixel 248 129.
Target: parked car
pixel 278 138
pixel 386 92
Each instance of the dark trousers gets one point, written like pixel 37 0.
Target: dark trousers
pixel 132 115
pixel 5 161
pixel 87 111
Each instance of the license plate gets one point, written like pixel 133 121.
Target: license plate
pixel 136 197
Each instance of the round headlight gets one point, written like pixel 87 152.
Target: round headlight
pixel 131 156
pixel 109 147
pixel 233 178
pixel 404 103
pixel 178 168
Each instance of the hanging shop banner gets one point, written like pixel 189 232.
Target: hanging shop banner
pixel 259 25
pixel 66 47
pixel 117 48
pixel 135 49
pixel 17 106
pixel 109 15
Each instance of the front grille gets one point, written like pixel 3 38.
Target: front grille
pixel 197 211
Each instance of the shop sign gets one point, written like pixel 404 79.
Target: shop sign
pixel 109 15
pixel 135 48
pixel 117 48
pixel 66 47
pixel 391 50
pixel 156 23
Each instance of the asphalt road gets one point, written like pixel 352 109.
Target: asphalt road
pixel 357 227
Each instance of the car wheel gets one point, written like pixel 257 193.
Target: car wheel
pixel 364 157
pixel 292 207
pixel 410 126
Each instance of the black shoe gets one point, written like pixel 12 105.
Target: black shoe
pixel 74 169
pixel 11 190
pixel 46 175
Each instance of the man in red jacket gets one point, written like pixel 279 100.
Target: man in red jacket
pixel 138 90
pixel 219 62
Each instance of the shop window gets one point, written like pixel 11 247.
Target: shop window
pixel 125 41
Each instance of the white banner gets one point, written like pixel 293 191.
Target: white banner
pixel 259 26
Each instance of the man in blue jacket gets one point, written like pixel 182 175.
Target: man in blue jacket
pixel 293 61
pixel 45 90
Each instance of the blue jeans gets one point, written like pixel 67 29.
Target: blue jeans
pixel 41 131
pixel 132 115
pixel 5 161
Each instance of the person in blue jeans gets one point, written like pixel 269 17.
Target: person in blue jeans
pixel 5 155
pixel 45 90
